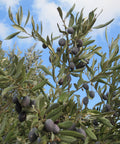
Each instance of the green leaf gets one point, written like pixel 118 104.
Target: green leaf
pixel 10 15
pixel 33 23
pixel 38 86
pixel 105 121
pixel 8 89
pixel 71 133
pixel 71 21
pixel 12 35
pixel 19 28
pixel 65 124
pixel 103 25
pixel 23 37
pixel 88 42
pixel 55 111
pixel 41 28
pixel 45 69
pixel 91 134
pixel 68 139
pixel 70 11
pixel 53 106
pixel 2 72
pixel 21 15
pixel 28 16
pixel 3 124
pixel 17 17
pixel 60 12
pixel 106 34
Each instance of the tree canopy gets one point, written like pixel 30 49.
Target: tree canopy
pixel 30 114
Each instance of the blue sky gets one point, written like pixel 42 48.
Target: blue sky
pixel 46 11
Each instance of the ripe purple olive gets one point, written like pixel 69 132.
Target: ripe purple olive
pixel 70 30
pixel 85 100
pixel 107 108
pixel 26 101
pixel 73 127
pixel 85 86
pixel 60 81
pixel 80 65
pixel 44 46
pixel 56 129
pixel 18 107
pixel 92 94
pixel 95 122
pixel 72 65
pixel 32 135
pixel 58 49
pixel 82 132
pixel 105 97
pixel 62 42
pixel 15 100
pixel 74 50
pixel 22 116
pixel 49 125
pixel 79 43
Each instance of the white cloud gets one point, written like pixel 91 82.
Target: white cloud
pixel 8 3
pixel 47 11
pixel 48 14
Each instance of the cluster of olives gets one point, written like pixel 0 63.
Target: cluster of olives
pixel 74 63
pixel 26 102
pixel 91 94
pixel 49 127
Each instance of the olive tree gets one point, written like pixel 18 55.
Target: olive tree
pixel 31 114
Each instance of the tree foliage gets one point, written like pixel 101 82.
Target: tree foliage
pixel 30 114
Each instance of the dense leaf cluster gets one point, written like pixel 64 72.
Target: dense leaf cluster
pixel 31 114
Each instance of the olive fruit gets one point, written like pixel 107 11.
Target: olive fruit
pixel 70 30
pixel 58 49
pixel 74 50
pixel 56 129
pixel 15 100
pixel 105 97
pixel 26 101
pixel 92 94
pixel 38 140
pixel 80 65
pixel 107 108
pixel 73 127
pixel 44 46
pixel 68 78
pixel 22 116
pixel 85 100
pixel 49 125
pixel 72 65
pixel 79 43
pixel 62 42
pixel 18 107
pixel 85 86
pixel 32 135
pixel 82 132
pixel 60 81
pixel 95 122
